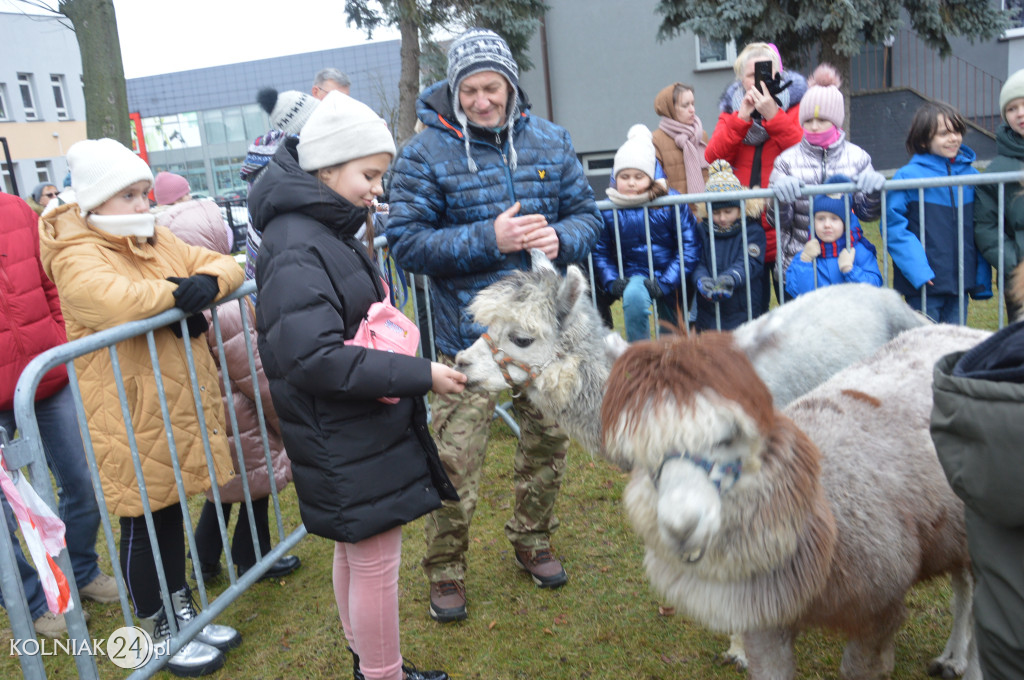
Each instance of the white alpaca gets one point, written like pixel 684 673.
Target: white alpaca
pixel 752 525
pixel 544 338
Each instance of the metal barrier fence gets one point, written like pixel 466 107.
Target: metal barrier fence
pixel 26 452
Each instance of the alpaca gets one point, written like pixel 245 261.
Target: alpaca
pixel 770 522
pixel 544 338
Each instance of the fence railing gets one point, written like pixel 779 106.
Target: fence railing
pixel 25 452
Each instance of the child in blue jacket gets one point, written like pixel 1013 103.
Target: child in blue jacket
pixel 826 258
pixel 649 272
pixel 928 275
pixel 729 263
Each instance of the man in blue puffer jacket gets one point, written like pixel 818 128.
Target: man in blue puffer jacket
pixel 470 196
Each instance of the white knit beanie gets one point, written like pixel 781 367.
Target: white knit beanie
pixel 1012 89
pixel 342 129
pixel 102 167
pixel 636 153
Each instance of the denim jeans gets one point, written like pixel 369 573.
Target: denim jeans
pixel 76 507
pixel 940 308
pixel 636 310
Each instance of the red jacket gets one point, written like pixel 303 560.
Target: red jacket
pixel 727 142
pixel 30 318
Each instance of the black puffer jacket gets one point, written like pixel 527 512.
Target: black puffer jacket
pixel 360 466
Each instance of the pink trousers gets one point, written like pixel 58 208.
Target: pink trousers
pixel 366 589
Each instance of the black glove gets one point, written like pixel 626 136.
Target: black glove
pixel 197 325
pixel 653 288
pixel 195 292
pixel 618 287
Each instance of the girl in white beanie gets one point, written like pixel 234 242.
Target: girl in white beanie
pixel 111 265
pixel 626 264
pixel 361 468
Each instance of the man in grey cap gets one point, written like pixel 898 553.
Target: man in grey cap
pixel 483 184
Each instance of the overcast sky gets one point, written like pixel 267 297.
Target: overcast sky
pixel 162 36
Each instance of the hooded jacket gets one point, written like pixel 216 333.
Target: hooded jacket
pixel 668 154
pixel 813 165
pixel 1009 158
pixel 107 280
pixel 360 466
pixel 939 260
pixel 199 223
pixel 442 214
pixel 632 242
pixel 800 276
pixel 30 318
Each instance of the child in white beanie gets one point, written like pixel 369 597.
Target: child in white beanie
pixel 626 265
pixel 111 265
pixel 361 468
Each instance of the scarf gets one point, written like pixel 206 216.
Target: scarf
pixel 757 135
pixel 137 225
pixel 823 139
pixel 623 201
pixel 690 140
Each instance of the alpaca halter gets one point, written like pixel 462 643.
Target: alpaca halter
pixel 503 360
pixel 723 475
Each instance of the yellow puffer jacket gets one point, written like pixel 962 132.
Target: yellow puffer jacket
pixel 103 281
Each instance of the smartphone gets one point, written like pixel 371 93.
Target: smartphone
pixel 762 73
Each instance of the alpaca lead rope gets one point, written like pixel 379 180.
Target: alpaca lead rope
pixel 504 360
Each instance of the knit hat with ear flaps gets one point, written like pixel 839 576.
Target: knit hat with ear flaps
pixel 722 178
pixel 636 153
pixel 288 110
pixel 342 129
pixel 475 51
pixel 1013 88
pixel 825 103
pixel 169 187
pixel 102 167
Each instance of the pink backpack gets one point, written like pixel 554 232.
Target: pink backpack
pixel 387 329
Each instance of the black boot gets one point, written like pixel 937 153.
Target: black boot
pixel 410 671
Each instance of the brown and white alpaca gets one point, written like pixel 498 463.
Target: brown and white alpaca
pixel 770 522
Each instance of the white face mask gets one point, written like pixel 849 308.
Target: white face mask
pixel 139 225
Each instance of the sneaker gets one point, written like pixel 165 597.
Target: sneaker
pixel 543 566
pixel 102 589
pixel 448 601
pixel 413 673
pixel 215 635
pixel 193 660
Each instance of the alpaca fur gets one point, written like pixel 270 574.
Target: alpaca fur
pixel 840 505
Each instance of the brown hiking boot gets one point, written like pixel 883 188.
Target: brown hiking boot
pixel 102 589
pixel 543 566
pixel 448 601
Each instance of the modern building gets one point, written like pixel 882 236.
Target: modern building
pixel 599 65
pixel 42 106
pixel 199 123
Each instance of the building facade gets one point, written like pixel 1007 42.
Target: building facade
pixel 42 105
pixel 199 123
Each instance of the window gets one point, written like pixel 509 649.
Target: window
pixel 43 171
pixel 28 101
pixel 59 101
pixel 713 54
pixel 5 174
pixel 1016 10
pixel 5 113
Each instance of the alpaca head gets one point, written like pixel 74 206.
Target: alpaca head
pixel 690 416
pixel 536 321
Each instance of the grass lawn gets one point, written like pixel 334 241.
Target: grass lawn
pixel 604 624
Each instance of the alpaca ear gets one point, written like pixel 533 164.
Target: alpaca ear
pixel 539 260
pixel 571 292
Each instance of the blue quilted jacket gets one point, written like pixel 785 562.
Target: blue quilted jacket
pixel 442 213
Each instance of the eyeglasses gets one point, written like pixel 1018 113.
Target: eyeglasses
pixel 50 194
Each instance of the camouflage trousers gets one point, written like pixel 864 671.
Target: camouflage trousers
pixel 461 426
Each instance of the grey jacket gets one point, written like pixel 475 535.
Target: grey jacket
pixel 813 165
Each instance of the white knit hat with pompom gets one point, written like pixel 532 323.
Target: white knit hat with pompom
pixel 636 153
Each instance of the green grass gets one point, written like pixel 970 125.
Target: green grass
pixel 604 624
